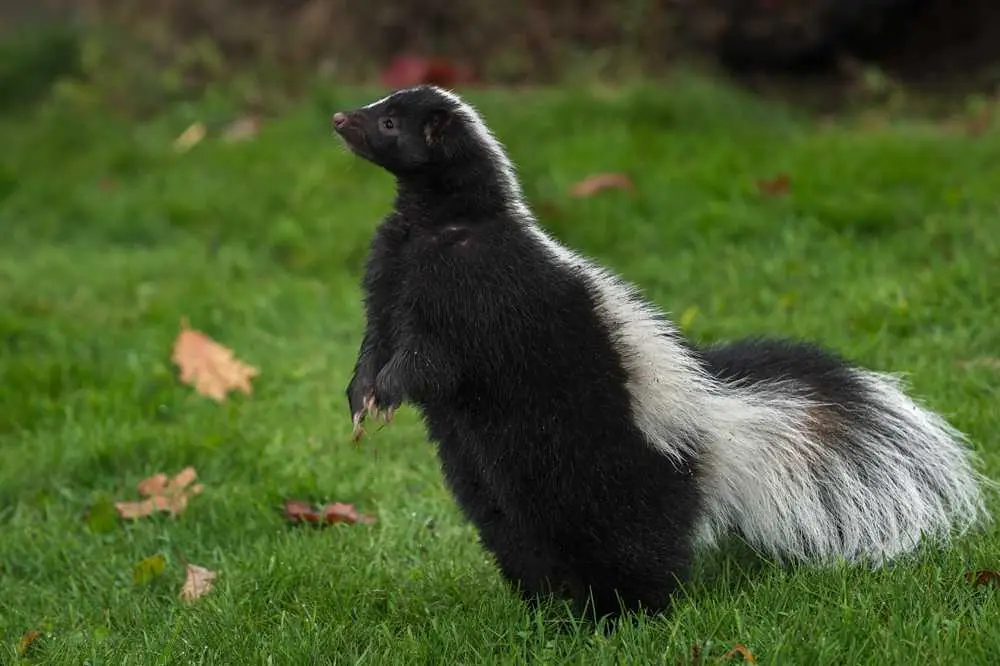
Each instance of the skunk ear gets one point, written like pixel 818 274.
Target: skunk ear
pixel 435 125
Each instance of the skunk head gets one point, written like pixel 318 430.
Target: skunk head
pixel 411 131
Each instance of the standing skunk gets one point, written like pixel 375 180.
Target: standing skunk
pixel 593 447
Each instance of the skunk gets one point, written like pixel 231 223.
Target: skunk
pixel 593 447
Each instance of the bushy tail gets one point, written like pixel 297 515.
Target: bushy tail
pixel 797 477
pixel 802 481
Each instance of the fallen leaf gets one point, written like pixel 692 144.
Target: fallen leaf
pixel 743 651
pixel 338 512
pixel 773 187
pixel 162 494
pixel 190 137
pixel 984 577
pixel 242 129
pixel 198 582
pixel 591 185
pixel 102 516
pixel 148 569
pixel 298 511
pixel 212 369
pixel 410 70
pixel 27 640
pixel 156 484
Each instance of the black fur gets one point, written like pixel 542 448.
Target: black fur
pixel 502 348
pixel 828 377
pixel 520 386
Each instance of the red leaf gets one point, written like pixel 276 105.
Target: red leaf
pixel 743 651
pixel 27 640
pixel 297 511
pixel 410 70
pixel 339 512
pixel 773 187
pixel 982 578
pixel 591 185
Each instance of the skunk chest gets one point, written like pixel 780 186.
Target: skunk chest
pixel 446 276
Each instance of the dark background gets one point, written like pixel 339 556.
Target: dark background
pixel 169 47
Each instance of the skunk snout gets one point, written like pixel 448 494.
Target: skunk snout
pixel 339 120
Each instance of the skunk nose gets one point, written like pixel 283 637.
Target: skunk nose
pixel 339 119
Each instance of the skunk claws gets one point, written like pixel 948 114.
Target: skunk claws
pixel 358 431
pixel 384 415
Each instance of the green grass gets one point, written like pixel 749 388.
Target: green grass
pixel 887 249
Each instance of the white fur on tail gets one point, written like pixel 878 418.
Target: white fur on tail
pixel 766 470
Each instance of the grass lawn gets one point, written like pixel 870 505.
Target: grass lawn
pixel 887 248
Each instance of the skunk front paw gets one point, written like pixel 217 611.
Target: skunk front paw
pixel 389 393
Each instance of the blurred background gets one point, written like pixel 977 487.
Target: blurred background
pixel 817 169
pixel 158 50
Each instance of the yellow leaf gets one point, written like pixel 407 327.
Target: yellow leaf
pixel 190 137
pixel 148 569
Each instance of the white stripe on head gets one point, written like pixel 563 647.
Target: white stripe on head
pixel 498 155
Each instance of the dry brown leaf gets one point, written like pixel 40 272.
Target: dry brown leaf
pixel 298 511
pixel 743 651
pixel 591 185
pixel 773 187
pixel 242 129
pixel 162 494
pixel 198 583
pixel 338 512
pixel 190 137
pixel 154 485
pixel 27 640
pixel 983 578
pixel 212 369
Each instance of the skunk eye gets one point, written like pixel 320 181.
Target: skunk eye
pixel 388 124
